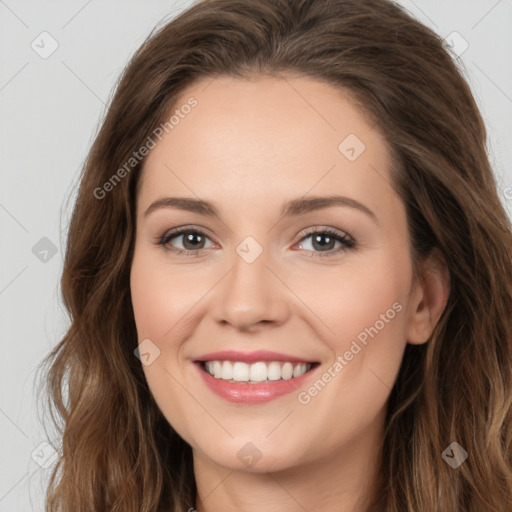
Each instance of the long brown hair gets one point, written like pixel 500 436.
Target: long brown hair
pixel 118 451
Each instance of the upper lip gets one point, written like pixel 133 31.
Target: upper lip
pixel 250 357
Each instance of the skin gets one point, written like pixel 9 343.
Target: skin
pixel 249 146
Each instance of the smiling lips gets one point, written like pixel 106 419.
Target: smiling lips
pixel 253 377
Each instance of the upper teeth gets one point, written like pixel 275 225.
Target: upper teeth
pixel 256 372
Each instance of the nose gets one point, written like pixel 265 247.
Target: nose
pixel 252 294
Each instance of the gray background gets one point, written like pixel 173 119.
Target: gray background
pixel 50 109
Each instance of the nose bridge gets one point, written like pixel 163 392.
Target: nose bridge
pixel 251 293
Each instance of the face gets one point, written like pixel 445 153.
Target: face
pixel 290 255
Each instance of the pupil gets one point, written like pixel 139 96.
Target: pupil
pixel 190 238
pixel 318 237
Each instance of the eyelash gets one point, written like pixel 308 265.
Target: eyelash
pixel 347 241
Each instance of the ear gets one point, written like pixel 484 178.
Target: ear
pixel 428 298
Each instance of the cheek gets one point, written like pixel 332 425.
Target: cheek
pixel 362 299
pixel 369 320
pixel 150 298
pixel 160 299
pixel 369 309
pixel 364 307
pixel 161 296
pixel 366 312
pixel 158 304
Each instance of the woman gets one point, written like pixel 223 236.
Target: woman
pixel 289 275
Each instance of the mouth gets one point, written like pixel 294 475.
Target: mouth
pixel 262 377
pixel 259 372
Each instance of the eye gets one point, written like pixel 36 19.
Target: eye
pixel 323 242
pixel 192 240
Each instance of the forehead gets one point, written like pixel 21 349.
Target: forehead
pixel 265 138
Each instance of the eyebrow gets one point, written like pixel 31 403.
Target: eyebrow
pixel 292 207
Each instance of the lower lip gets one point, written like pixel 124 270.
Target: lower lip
pixel 252 393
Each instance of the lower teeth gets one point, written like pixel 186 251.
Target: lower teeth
pixel 232 381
